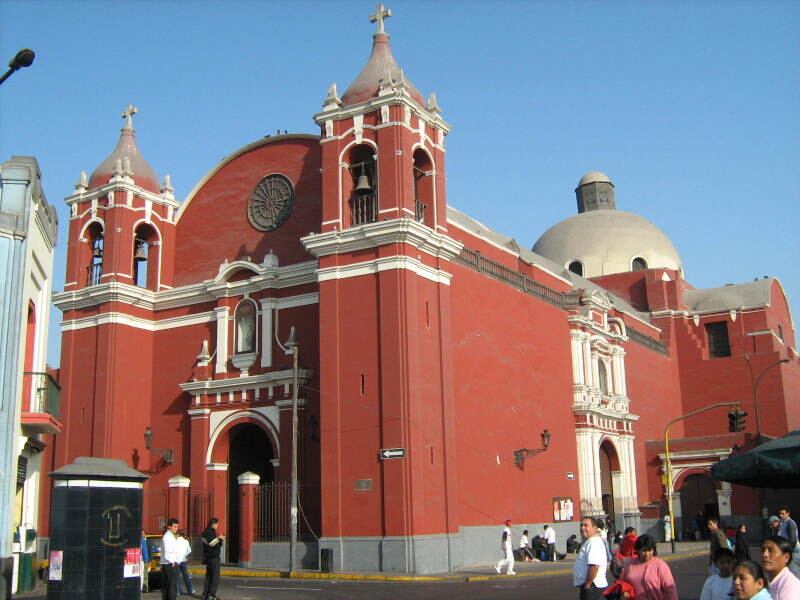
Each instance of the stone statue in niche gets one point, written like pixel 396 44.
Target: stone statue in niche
pixel 245 328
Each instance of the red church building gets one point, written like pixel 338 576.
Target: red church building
pixel 448 377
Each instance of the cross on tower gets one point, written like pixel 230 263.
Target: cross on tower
pixel 127 114
pixel 381 13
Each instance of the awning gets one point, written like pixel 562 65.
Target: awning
pixel 775 464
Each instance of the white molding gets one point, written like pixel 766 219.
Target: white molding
pixel 384 264
pixel 118 318
pixel 211 466
pixel 237 384
pixel 371 235
pixel 103 190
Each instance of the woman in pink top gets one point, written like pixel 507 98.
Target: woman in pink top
pixel 776 555
pixel 649 575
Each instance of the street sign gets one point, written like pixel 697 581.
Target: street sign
pixel 387 453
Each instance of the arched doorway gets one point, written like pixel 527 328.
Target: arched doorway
pixel 250 450
pixel 698 503
pixel 610 479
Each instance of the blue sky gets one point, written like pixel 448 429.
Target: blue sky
pixel 692 108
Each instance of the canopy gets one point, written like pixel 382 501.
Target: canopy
pixel 775 464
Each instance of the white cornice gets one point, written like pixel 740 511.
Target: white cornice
pixel 372 235
pixel 103 190
pixel 388 263
pixel 234 384
pixel 337 113
pixel 204 292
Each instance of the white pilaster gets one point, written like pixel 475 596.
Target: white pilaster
pixel 223 313
pixel 267 308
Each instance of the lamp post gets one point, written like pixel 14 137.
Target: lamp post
pixel 755 381
pixel 291 344
pixel 23 58
pixel 521 454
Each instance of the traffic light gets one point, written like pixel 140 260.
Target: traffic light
pixel 740 415
pixel 736 420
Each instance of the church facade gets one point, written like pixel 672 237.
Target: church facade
pixel 447 377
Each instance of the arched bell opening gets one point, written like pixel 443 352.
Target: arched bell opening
pixel 93 252
pixel 424 185
pixel 361 185
pixel 145 256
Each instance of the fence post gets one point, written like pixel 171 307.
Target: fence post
pixel 247 514
pixel 177 499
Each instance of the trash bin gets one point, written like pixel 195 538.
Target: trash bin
pixel 326 560
pixel 27 578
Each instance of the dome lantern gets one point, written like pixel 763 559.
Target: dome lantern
pixel 595 192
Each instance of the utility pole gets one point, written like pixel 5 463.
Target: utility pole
pixel 291 344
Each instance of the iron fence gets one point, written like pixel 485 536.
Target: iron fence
pixel 200 507
pixel 45 393
pixel 272 511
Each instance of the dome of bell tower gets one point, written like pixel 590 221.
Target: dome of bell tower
pixel 126 156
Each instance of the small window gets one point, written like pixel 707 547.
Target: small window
pixel 718 344
pixel 639 264
pixel 245 327
pixel 576 267
pixel 603 376
pixel 780 332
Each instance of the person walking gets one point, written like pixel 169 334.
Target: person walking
pixel 212 551
pixel 184 550
pixel 718 587
pixel 589 570
pixel 145 563
pixel 788 530
pixel 170 559
pixel 508 551
pixel 649 575
pixel 774 527
pixel 550 540
pixel 718 540
pixel 741 551
pixel 776 556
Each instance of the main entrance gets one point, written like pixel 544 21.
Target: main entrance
pixel 250 450
pixel 610 475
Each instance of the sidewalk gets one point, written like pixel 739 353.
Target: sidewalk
pixel 484 572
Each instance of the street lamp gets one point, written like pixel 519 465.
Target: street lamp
pixel 521 454
pixel 291 344
pixel 755 381
pixel 165 453
pixel 24 58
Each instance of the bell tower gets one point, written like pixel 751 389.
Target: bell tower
pixel 119 256
pixel 384 308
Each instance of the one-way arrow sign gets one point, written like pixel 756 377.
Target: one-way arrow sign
pixel 387 453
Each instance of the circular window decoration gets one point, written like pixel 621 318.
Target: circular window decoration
pixel 270 202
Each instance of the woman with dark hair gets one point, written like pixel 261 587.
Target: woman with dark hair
pixel 741 550
pixel 749 582
pixel 776 556
pixel 649 575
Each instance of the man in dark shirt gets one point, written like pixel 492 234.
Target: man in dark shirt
pixel 212 546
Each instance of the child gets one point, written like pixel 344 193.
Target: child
pixel 718 587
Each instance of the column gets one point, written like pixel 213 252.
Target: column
pixel 222 338
pixel 587 360
pixel 198 439
pixel 178 499
pixel 724 501
pixel 247 514
pixel 577 357
pixel 267 307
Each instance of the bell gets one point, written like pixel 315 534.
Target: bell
pixel 141 253
pixel 362 185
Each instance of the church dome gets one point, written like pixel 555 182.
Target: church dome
pixel 380 67
pixel 601 240
pixel 141 172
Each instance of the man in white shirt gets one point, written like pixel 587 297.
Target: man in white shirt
pixel 170 560
pixel 589 570
pixel 507 550
pixel 550 540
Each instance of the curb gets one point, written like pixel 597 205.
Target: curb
pixel 265 574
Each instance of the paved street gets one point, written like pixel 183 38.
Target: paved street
pixel 689 574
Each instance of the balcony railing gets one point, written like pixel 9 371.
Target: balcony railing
pixel 363 209
pixel 45 394
pixel 93 274
pixel 419 211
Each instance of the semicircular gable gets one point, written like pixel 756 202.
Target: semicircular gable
pixel 212 225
